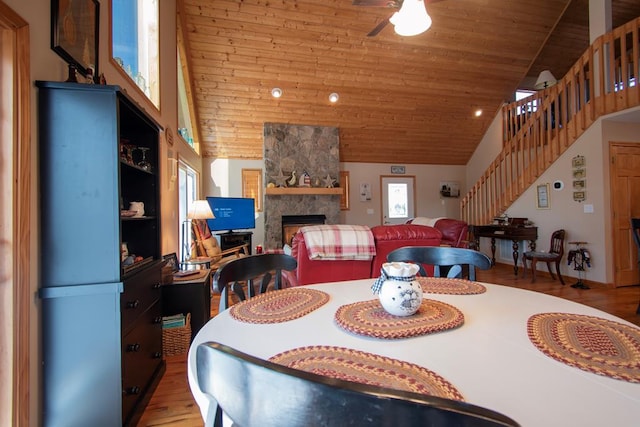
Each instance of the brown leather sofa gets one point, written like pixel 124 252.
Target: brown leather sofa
pixel 386 238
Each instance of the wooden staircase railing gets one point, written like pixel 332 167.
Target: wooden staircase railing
pixel 538 129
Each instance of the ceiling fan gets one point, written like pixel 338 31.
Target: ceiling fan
pixel 413 11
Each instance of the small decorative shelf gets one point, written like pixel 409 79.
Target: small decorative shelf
pixel 297 191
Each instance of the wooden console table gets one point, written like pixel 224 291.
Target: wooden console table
pixel 504 232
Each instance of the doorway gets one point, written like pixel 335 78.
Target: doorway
pixel 625 204
pixel 398 198
pixel 16 293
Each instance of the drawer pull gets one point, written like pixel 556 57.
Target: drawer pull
pixel 157 355
pixel 132 390
pixel 133 304
pixel 133 347
pixel 157 286
pixel 157 320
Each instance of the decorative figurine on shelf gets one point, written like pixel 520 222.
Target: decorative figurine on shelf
pixel 399 292
pixel 90 78
pixel 292 180
pixel 73 74
pixel 329 182
pixel 279 180
pixel 305 180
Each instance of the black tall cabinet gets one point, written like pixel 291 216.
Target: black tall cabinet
pixel 101 320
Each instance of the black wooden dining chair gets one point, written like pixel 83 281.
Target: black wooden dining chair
pixel 555 254
pixel 635 229
pixel 446 261
pixel 241 272
pixel 257 393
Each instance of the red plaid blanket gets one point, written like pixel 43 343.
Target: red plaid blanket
pixel 339 242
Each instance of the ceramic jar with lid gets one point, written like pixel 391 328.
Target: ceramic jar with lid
pixel 399 293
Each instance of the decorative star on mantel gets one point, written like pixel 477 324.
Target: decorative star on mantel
pixel 280 179
pixel 328 181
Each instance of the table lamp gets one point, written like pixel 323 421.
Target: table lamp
pixel 199 210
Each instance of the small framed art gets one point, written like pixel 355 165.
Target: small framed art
pixel 542 196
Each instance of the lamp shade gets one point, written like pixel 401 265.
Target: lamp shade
pixel 412 18
pixel 545 80
pixel 200 209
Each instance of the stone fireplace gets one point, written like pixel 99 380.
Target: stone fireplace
pixel 292 223
pixel 299 148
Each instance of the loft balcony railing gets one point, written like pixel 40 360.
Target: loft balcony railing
pixel 538 129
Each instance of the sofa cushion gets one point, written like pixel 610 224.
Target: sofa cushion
pixel 454 232
pixel 391 237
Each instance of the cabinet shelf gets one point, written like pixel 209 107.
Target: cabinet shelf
pixel 295 191
pixel 136 167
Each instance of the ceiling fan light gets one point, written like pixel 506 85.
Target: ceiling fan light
pixel 412 18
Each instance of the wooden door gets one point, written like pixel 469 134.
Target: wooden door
pixel 625 204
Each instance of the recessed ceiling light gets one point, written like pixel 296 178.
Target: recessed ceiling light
pixel 334 97
pixel 478 113
pixel 276 92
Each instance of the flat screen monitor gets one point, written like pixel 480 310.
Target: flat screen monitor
pixel 231 213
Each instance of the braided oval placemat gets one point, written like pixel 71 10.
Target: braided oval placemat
pixel 367 368
pixel 590 343
pixel 444 285
pixel 279 306
pixel 370 318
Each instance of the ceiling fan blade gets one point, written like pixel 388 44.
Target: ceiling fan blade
pixel 378 28
pixel 377 3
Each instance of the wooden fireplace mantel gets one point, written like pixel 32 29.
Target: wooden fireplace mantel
pixel 293 191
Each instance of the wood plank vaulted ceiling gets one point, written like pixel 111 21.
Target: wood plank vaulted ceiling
pixel 404 100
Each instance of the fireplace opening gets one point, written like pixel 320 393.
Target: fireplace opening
pixel 292 223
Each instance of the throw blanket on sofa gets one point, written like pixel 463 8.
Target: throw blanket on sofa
pixel 339 242
pixel 421 220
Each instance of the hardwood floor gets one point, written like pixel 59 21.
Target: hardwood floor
pixel 173 405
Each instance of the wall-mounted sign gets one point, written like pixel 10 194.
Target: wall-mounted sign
pixel 398 169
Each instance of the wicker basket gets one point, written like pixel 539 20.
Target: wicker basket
pixel 177 340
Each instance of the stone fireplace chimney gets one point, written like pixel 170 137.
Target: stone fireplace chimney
pixel 299 148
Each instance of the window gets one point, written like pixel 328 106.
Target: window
pixel 135 43
pixel 398 199
pixel 187 193
pixel 184 118
pixel 530 106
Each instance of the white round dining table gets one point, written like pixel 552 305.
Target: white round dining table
pixel 489 359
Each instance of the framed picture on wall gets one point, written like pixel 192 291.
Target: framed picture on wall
pixel 344 185
pixel 542 196
pixel 74 32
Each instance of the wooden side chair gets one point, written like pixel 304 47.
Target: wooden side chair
pixel 555 254
pixel 635 229
pixel 446 261
pixel 235 273
pixel 257 393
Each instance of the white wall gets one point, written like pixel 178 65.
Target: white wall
pixel 429 203
pixel 486 152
